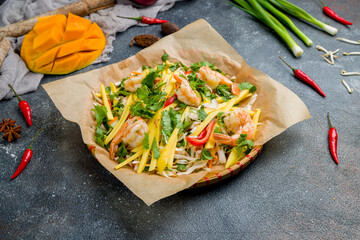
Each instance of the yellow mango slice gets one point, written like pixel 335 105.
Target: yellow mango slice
pixel 75 27
pixel 47 58
pixel 60 45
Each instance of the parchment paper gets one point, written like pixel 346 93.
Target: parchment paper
pixel 196 42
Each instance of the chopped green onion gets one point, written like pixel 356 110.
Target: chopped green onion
pixel 284 19
pixel 302 14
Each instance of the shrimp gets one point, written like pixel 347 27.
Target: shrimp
pixel 131 133
pixel 238 122
pixel 134 82
pixel 214 78
pixel 185 94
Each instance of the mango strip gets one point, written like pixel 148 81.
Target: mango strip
pixel 146 152
pixel 256 119
pixel 113 87
pixel 106 103
pixel 123 118
pixel 130 159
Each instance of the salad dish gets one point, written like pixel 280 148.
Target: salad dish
pixel 173 119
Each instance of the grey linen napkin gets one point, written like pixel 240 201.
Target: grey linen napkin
pixel 14 70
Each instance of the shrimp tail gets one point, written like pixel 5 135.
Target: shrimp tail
pixel 225 139
pixel 178 78
pixel 234 88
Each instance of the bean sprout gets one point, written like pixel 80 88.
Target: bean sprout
pixel 350 90
pixel 348 41
pixel 351 53
pixel 344 73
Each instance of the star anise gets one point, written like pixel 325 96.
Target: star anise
pixel 6 124
pixel 12 134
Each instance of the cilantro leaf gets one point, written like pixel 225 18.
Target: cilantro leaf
pixel 246 85
pixel 224 92
pixel 170 120
pixel 181 167
pixel 149 79
pixel 218 130
pixel 155 150
pixel 242 143
pixel 100 136
pixel 220 119
pixel 165 57
pixel 206 155
pixel 202 114
pixel 138 109
pixel 122 152
pixel 100 114
pixel 145 141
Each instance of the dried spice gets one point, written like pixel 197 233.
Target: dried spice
pixel 169 28
pixel 12 134
pixel 7 124
pixel 145 40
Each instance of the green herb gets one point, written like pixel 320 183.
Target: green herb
pixel 122 152
pixel 145 141
pixel 138 109
pixel 169 121
pixel 100 136
pixel 220 119
pixel 198 85
pixel 218 130
pixel 181 167
pixel 100 114
pixel 174 67
pixel 150 79
pixel 242 143
pixel 155 149
pixel 185 126
pixel 246 85
pixel 160 67
pixel 223 91
pixel 165 57
pixel 206 155
pixel 202 114
pixel 180 104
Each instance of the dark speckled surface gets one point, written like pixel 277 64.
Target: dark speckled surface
pixel 292 191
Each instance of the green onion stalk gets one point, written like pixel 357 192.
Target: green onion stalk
pixel 284 19
pixel 302 14
pixel 255 9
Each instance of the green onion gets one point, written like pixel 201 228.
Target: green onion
pixel 255 9
pixel 284 19
pixel 302 14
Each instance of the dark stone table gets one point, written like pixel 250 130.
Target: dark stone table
pixel 293 190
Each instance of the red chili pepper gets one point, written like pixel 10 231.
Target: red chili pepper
pixel 24 107
pixel 328 11
pixel 333 138
pixel 170 100
pixel 201 141
pixel 305 78
pixel 25 158
pixel 147 20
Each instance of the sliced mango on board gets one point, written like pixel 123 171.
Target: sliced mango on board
pixel 60 45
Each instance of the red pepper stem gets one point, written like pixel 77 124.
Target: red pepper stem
pixel 322 3
pixel 19 98
pixel 34 139
pixel 133 18
pixel 328 115
pixel 288 64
